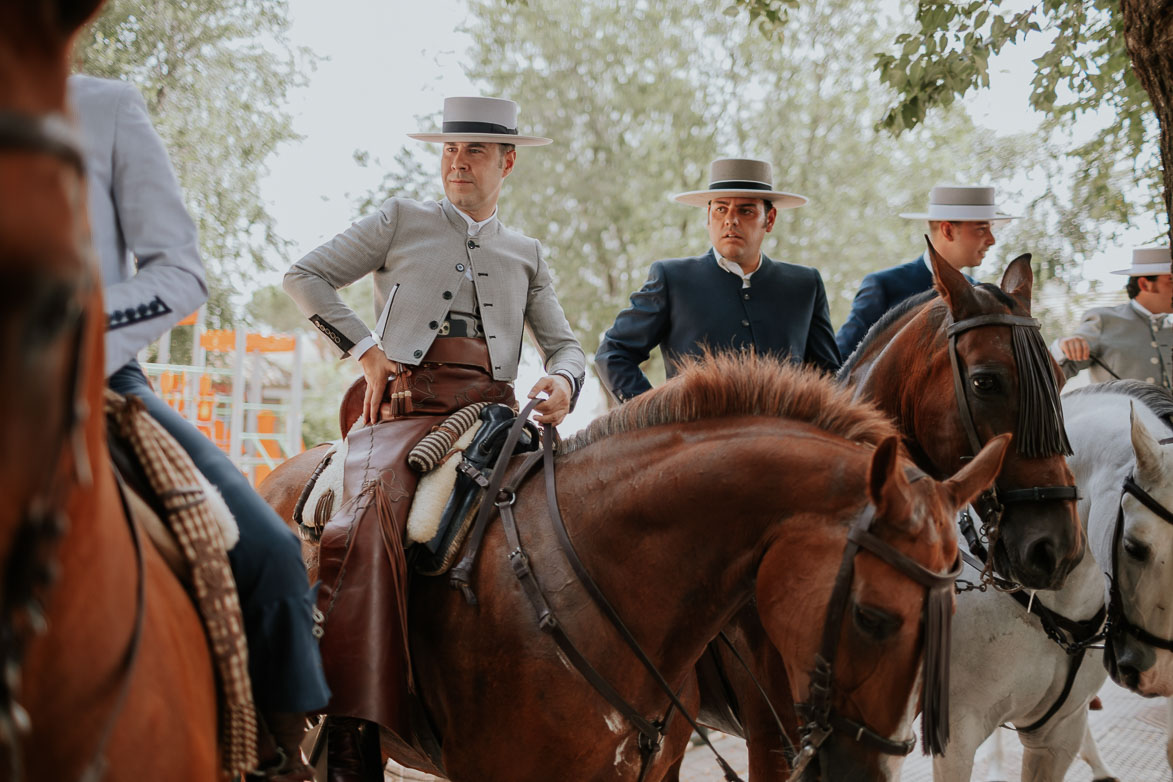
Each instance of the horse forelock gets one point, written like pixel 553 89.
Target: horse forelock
pixel 725 385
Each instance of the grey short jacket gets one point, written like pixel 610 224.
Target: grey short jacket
pixel 1125 342
pixel 145 239
pixel 418 253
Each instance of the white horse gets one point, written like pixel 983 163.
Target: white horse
pixel 1005 667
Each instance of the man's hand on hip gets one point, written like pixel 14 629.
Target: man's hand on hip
pixel 554 409
pixel 377 369
pixel 1075 348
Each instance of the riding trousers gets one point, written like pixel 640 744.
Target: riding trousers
pixel 277 604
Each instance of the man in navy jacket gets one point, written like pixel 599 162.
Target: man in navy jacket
pixel 731 298
pixel 961 220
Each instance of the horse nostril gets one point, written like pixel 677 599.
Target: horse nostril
pixel 1041 556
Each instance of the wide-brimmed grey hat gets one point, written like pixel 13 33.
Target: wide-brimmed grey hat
pixel 481 119
pixel 1147 261
pixel 961 204
pixel 734 177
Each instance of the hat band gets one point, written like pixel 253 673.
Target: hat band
pixel 477 127
pixel 739 184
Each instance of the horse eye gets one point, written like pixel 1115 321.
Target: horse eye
pixel 985 384
pixel 875 623
pixel 1137 550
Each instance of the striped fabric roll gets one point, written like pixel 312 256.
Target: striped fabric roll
pixel 435 445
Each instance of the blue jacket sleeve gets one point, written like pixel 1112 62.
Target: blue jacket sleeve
pixel 630 340
pixel 821 349
pixel 869 306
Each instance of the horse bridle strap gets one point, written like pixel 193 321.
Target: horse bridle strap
pixel 938 611
pixel 47 134
pixel 651 732
pixel 1116 616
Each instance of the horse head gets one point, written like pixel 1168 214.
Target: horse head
pixel 956 370
pixel 51 325
pixel 1139 654
pixel 887 612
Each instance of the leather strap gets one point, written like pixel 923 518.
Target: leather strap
pixel 1117 618
pixel 460 575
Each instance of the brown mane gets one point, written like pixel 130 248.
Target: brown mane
pixel 726 385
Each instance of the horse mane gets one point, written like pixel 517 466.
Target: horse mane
pixel 723 385
pixel 880 327
pixel 1158 400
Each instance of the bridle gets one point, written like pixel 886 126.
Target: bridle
pixel 991 504
pixel 31 566
pixel 1117 619
pixel 821 719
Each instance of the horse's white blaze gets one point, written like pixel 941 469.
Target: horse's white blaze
pixel 621 750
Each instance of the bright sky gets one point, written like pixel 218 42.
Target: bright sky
pixel 387 63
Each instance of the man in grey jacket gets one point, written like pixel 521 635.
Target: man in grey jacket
pixel 153 277
pixel 455 290
pixel 1133 339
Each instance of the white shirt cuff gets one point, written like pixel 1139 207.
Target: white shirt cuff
pixel 363 345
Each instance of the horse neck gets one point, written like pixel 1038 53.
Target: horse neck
pixel 34 61
pixel 697 516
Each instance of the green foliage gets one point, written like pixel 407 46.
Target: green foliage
pixel 215 74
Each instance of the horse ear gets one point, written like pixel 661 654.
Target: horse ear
pixel 887 486
pixel 1149 457
pixel 1019 280
pixel 952 285
pixel 977 476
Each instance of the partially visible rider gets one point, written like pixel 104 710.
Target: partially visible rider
pixel 153 277
pixel 454 290
pixel 1130 340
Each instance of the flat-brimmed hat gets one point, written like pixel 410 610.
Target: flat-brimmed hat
pixel 734 177
pixel 491 120
pixel 960 204
pixel 1147 261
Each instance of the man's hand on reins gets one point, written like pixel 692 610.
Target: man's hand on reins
pixel 377 370
pixel 1075 348
pixel 554 409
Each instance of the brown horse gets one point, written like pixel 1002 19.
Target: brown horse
pixel 74 699
pixel 904 366
pixel 737 479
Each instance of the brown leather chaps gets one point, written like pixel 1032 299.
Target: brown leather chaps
pixel 362 566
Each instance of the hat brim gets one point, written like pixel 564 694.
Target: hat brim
pixel 703 197
pixel 491 138
pixel 997 218
pixel 1146 269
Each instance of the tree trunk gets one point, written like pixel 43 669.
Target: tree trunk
pixel 1148 35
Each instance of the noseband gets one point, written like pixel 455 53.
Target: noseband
pixel 31 568
pixel 1118 621
pixel 821 719
pixel 991 504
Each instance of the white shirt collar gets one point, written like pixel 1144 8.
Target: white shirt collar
pixel 1159 320
pixel 474 227
pixel 733 268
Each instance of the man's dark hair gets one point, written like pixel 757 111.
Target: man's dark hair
pixel 1133 286
pixel 505 149
pixel 769 204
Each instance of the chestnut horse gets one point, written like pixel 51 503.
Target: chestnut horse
pixel 97 684
pixel 906 366
pixel 737 479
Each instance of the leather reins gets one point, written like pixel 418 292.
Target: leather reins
pixel 991 504
pixel 31 567
pixel 822 720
